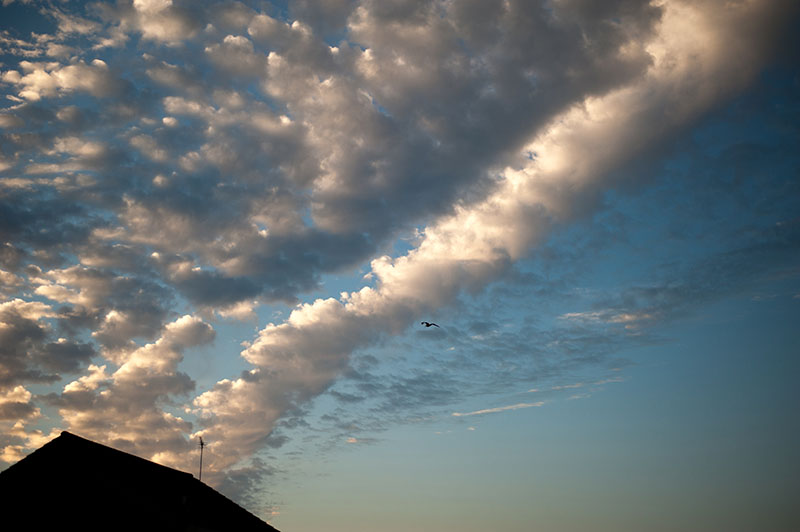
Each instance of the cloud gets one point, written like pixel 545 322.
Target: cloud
pixel 475 244
pixel 26 340
pixel 630 320
pixel 157 20
pixel 118 307
pixel 260 244
pixel 237 55
pixel 680 287
pixel 15 439
pixel 225 157
pixel 245 484
pixel 127 407
pixel 498 409
pixel 40 80
pixel 15 403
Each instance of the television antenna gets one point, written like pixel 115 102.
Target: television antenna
pixel 202 444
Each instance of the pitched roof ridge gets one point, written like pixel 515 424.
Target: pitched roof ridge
pixel 66 435
pixel 79 466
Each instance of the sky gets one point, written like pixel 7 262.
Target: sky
pixel 228 220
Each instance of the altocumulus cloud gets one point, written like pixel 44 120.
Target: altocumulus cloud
pixel 161 155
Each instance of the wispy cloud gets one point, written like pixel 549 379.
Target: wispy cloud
pixel 630 320
pixel 576 385
pixel 498 409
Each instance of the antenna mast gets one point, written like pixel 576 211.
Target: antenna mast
pixel 202 444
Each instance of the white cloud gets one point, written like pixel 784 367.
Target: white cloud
pixel 9 280
pixel 83 148
pixel 27 439
pixel 15 403
pixel 236 55
pixel 95 377
pixel 29 310
pixel 148 146
pixel 151 7
pixel 242 311
pixel 45 80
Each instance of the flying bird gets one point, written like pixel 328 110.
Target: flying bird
pixel 428 324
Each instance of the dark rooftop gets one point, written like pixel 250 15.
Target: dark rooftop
pixel 72 482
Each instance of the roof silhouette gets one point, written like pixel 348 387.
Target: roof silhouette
pixel 72 482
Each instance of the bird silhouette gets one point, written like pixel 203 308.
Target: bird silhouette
pixel 428 324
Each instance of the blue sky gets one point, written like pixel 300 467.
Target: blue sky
pixel 228 220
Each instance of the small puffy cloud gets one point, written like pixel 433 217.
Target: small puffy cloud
pixel 118 328
pixel 160 20
pixel 65 356
pixel 29 351
pixel 45 80
pixel 59 50
pixel 78 147
pixel 236 55
pixel 22 332
pixel 91 381
pixel 15 403
pixel 188 331
pixel 264 28
pixel 76 285
pixel 11 76
pixel 9 281
pixel 151 7
pixel 16 440
pixel 10 121
pixel 148 147
pixel 242 311
pixel 118 307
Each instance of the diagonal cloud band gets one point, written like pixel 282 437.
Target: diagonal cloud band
pixel 701 54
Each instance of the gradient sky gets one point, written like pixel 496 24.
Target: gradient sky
pixel 228 219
